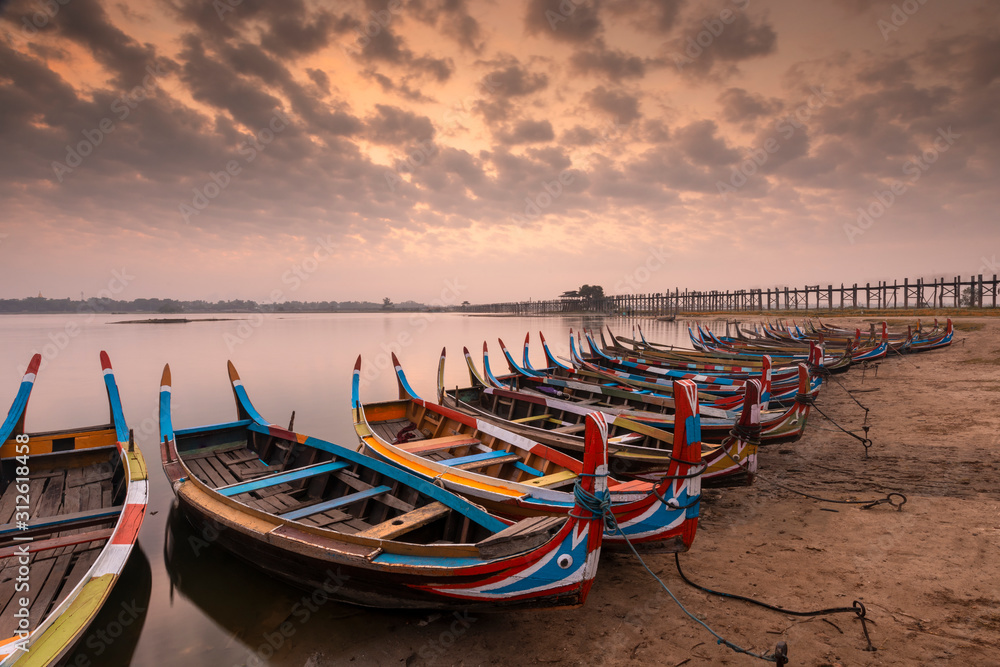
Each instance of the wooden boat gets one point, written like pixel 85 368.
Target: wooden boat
pixel 323 516
pixel 525 391
pixel 516 477
pixel 703 358
pixel 725 397
pixel 85 492
pixel 640 441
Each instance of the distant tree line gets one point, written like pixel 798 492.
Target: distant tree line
pixel 37 304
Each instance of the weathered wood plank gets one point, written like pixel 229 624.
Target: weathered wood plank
pixel 404 523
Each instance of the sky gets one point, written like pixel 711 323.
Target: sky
pixel 462 150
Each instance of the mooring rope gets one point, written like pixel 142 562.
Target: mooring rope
pixel 866 441
pixel 601 506
pixel 857 608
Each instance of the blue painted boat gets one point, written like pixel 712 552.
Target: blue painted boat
pixel 324 516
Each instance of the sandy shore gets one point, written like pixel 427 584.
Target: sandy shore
pixel 929 574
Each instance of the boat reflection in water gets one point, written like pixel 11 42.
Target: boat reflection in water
pixel 257 611
pixel 114 633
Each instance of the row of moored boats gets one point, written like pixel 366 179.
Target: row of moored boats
pixel 497 495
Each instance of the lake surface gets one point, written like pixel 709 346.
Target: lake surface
pixel 181 600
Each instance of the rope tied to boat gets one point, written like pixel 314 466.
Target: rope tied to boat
pixel 849 393
pixel 857 607
pixel 819 370
pixel 865 441
pixel 865 504
pixel 601 506
pixel 748 434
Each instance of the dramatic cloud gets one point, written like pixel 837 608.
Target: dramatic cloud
pixel 433 138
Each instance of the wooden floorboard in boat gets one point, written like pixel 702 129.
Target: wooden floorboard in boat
pixel 220 467
pixel 46 580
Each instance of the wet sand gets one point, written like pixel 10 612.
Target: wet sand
pixel 929 575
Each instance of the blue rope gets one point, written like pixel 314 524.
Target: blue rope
pixel 601 506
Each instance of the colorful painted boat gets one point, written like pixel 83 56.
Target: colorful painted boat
pixel 776 426
pixel 516 477
pixel 324 516
pixel 59 560
pixel 640 442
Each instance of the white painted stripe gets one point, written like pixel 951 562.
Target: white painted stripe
pixel 165 388
pixel 28 377
pixel 112 560
pixel 237 383
pixel 138 493
pixel 108 371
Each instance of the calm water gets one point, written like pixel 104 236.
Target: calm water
pixel 182 602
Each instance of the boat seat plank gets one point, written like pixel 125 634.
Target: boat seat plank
pixel 404 523
pixel 632 485
pixel 282 478
pixel 356 484
pixel 573 428
pixel 486 463
pixel 535 472
pixel 555 479
pixel 534 418
pixel 336 502
pixel 58 542
pixel 478 457
pixel 439 444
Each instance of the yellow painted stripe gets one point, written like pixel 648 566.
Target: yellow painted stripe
pixel 63 633
pixel 136 465
pixel 415 467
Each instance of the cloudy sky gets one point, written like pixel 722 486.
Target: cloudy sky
pixel 473 150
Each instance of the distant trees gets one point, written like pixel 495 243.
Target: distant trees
pixel 386 303
pixel 588 296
